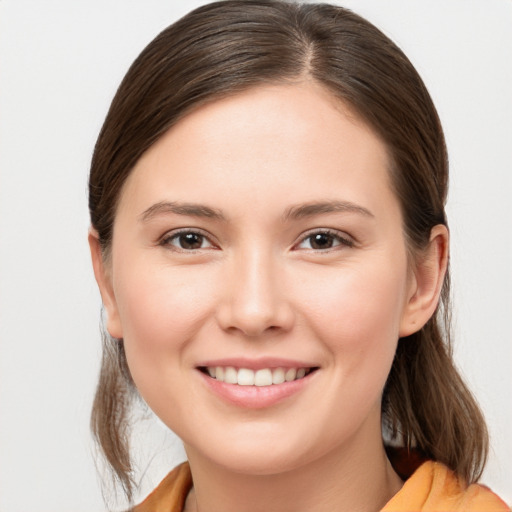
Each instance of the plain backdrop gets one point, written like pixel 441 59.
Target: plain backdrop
pixel 60 64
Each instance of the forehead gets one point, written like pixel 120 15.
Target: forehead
pixel 270 143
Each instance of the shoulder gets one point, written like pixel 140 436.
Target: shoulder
pixel 170 493
pixel 434 487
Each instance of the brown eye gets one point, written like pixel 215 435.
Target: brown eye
pixel 187 241
pixel 324 240
pixel 321 241
pixel 190 240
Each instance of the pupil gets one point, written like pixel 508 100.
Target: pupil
pixel 191 241
pixel 321 241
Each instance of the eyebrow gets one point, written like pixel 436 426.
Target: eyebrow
pixel 190 209
pixel 293 213
pixel 310 209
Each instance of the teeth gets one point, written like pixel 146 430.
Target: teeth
pixel 248 377
pixel 290 374
pixel 263 377
pixel 230 375
pixel 245 377
pixel 278 376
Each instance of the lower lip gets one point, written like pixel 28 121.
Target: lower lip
pixel 256 397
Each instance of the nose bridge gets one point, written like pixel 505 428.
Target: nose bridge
pixel 255 300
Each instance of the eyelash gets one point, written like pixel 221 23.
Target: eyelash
pixel 168 238
pixel 335 236
pixel 343 241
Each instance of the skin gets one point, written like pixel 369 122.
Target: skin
pixel 257 286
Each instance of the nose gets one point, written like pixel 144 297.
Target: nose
pixel 254 297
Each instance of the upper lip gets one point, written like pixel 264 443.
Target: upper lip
pixel 257 363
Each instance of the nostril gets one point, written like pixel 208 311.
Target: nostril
pixel 254 310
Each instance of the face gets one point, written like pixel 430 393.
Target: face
pixel 259 278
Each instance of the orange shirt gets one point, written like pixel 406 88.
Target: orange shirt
pixel 431 488
pixel 435 488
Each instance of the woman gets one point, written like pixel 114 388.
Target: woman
pixel 269 238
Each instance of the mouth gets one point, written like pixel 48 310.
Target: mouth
pixel 261 377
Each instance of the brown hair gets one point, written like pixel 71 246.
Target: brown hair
pixel 226 47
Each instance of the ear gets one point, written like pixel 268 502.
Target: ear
pixel 104 279
pixel 426 282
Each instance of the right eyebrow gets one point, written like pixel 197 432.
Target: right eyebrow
pixel 179 208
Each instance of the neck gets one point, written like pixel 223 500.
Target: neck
pixel 356 479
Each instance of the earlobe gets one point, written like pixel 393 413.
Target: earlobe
pixel 104 280
pixel 427 282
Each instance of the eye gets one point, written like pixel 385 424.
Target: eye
pixel 187 241
pixel 324 240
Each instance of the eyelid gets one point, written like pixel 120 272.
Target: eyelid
pixel 165 239
pixel 344 239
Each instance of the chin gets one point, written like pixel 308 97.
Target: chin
pixel 263 455
pixel 258 463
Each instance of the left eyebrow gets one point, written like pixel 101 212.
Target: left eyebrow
pixel 179 208
pixel 309 209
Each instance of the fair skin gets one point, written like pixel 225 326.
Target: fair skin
pixel 261 233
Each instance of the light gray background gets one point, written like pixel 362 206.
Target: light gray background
pixel 60 63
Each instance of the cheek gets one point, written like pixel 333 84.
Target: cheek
pixel 358 300
pixel 357 313
pixel 161 310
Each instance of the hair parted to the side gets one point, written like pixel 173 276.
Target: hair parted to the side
pixel 226 47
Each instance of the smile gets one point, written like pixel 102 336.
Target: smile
pixel 261 377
